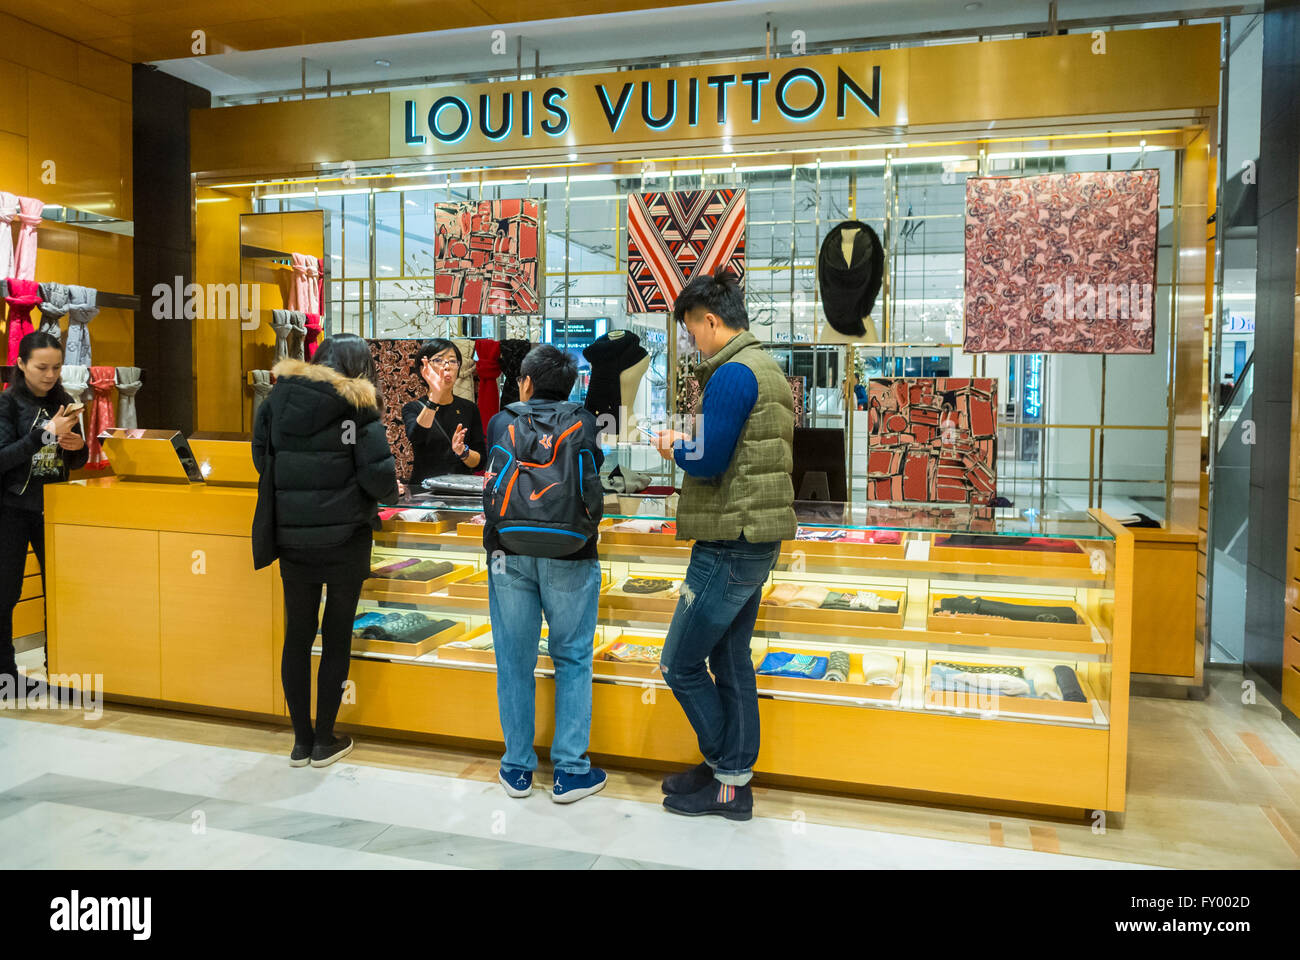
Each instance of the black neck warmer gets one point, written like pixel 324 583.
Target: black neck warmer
pixel 849 290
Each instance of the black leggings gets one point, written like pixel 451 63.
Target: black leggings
pixel 18 528
pixel 301 609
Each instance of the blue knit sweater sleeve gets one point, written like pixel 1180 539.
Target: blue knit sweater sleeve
pixel 729 397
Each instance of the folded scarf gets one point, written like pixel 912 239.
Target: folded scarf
pixel 861 600
pixel 488 369
pixel 782 594
pixel 8 212
pixel 387 569
pixel 81 310
pixel 980 607
pixel 102 381
pixel 282 324
pixel 55 301
pixel 406 628
pixel 782 664
pixel 21 296
pixel 1043 681
pixel 948 677
pixel 423 571
pixel 29 218
pixel 837 668
pixel 1068 682
pixel 810 597
pixel 634 653
pixel 128 385
pixel 879 668
pixel 649 585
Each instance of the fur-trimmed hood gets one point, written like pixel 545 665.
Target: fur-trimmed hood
pixel 357 391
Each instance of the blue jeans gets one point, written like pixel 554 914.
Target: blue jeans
pixel 568 591
pixel 714 623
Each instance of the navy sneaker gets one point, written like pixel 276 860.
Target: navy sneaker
pixel 574 786
pixel 715 799
pixel 322 755
pixel 518 783
pixel 301 755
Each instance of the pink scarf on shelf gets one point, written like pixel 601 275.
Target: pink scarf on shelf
pixel 29 218
pixel 22 297
pixel 8 210
pixel 305 293
pixel 102 381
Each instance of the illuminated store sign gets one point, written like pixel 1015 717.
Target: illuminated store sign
pixel 848 92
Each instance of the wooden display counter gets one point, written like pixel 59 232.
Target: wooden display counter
pixel 152 586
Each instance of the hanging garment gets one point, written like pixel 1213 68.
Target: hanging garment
pixel 464 386
pixel 320 287
pixel 689 391
pixel 261 389
pixel 672 237
pixel 8 213
pixel 304 288
pixel 21 296
pixel 488 370
pixel 399 383
pixel 76 380
pixel 609 357
pixel 29 218
pixel 485 258
pixel 81 310
pixel 298 335
pixel 128 385
pixel 313 330
pixel 282 324
pixel 55 300
pixel 932 439
pixel 102 382
pixel 798 393
pixel 512 357
pixel 1061 262
pixel 849 289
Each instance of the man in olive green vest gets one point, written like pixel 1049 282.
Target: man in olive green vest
pixel 737 504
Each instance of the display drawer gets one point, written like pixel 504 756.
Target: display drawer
pixel 855 687
pixel 419 526
pixel 972 702
pixel 417 587
pixel 391 648
pixel 465 655
pixel 771 614
pixel 476 587
pixel 470 531
pixel 999 627
pixel 661 602
pixel 632 538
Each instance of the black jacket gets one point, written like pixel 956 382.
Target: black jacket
pixel 21 415
pixel 609 357
pixel 333 465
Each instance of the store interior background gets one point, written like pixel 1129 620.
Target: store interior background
pixel 1067 444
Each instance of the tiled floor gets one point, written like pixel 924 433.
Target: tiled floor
pixel 1212 784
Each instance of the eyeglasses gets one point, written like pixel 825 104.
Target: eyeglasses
pixel 444 362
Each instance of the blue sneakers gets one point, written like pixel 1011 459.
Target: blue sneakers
pixel 518 783
pixel 574 786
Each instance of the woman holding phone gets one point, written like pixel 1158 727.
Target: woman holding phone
pixel 40 443
pixel 446 431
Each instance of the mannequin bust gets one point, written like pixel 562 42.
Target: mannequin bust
pixel 629 382
pixel 829 334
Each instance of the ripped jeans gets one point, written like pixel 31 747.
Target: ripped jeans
pixel 713 625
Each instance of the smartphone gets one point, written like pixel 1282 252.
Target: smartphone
pixel 646 432
pixel 72 409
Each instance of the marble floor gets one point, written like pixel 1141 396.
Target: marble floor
pixel 1213 784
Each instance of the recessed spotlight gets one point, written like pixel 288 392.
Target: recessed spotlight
pixel 973 6
pixel 726 146
pixel 383 63
pixel 573 156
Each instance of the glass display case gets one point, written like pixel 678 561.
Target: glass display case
pixel 961 611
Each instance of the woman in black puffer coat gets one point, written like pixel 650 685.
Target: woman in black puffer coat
pixel 333 467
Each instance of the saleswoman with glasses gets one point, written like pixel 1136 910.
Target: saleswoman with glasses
pixel 446 431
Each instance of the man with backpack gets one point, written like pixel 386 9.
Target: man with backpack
pixel 542 503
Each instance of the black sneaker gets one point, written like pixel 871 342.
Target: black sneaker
pixel 717 799
pixel 324 755
pixel 301 755
pixel 688 781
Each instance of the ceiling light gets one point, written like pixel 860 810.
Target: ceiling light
pixel 973 6
pixel 383 63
